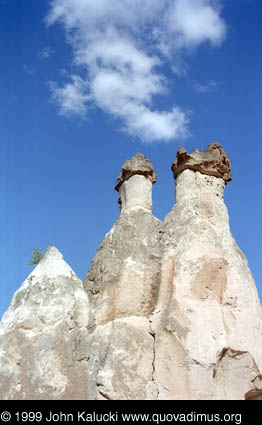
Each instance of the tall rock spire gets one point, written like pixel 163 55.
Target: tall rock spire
pixel 210 311
pixel 122 287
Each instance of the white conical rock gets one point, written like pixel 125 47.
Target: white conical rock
pixel 52 265
pixel 43 334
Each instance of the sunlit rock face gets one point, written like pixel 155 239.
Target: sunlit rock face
pixel 122 287
pixel 134 183
pixel 208 313
pixel 168 310
pixel 43 337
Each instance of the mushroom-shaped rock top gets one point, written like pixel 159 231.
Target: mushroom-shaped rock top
pixel 213 161
pixel 138 164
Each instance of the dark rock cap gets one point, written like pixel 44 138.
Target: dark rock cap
pixel 213 161
pixel 138 164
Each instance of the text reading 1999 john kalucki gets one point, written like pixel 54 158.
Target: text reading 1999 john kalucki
pixel 94 417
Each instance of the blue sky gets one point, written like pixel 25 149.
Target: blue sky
pixel 86 85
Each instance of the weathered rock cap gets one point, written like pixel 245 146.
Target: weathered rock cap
pixel 138 164
pixel 213 161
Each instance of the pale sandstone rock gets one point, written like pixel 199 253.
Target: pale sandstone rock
pixel 121 365
pixel 168 310
pixel 123 284
pixel 208 321
pixel 136 192
pixel 43 336
pixel 135 183
pixel 122 287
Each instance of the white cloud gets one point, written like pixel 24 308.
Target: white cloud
pixel 193 22
pixel 154 125
pixel 120 47
pixel 72 97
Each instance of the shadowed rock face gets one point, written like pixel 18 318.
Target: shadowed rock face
pixel 213 162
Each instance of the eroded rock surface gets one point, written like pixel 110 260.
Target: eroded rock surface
pixel 213 162
pixel 167 311
pixel 122 286
pixel 208 314
pixel 43 335
pixel 138 165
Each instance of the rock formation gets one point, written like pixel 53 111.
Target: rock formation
pixel 43 338
pixel 212 162
pixel 208 314
pixel 168 310
pixel 122 287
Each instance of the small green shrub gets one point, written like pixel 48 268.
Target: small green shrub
pixel 36 257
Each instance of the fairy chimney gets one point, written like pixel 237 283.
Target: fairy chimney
pixel 135 183
pixel 208 310
pixel 168 310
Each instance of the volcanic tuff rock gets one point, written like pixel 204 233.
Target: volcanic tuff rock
pixel 208 311
pixel 122 287
pixel 138 164
pixel 168 310
pixel 43 338
pixel 213 162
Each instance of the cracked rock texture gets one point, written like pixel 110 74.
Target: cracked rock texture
pixel 122 286
pixel 168 310
pixel 208 313
pixel 43 338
